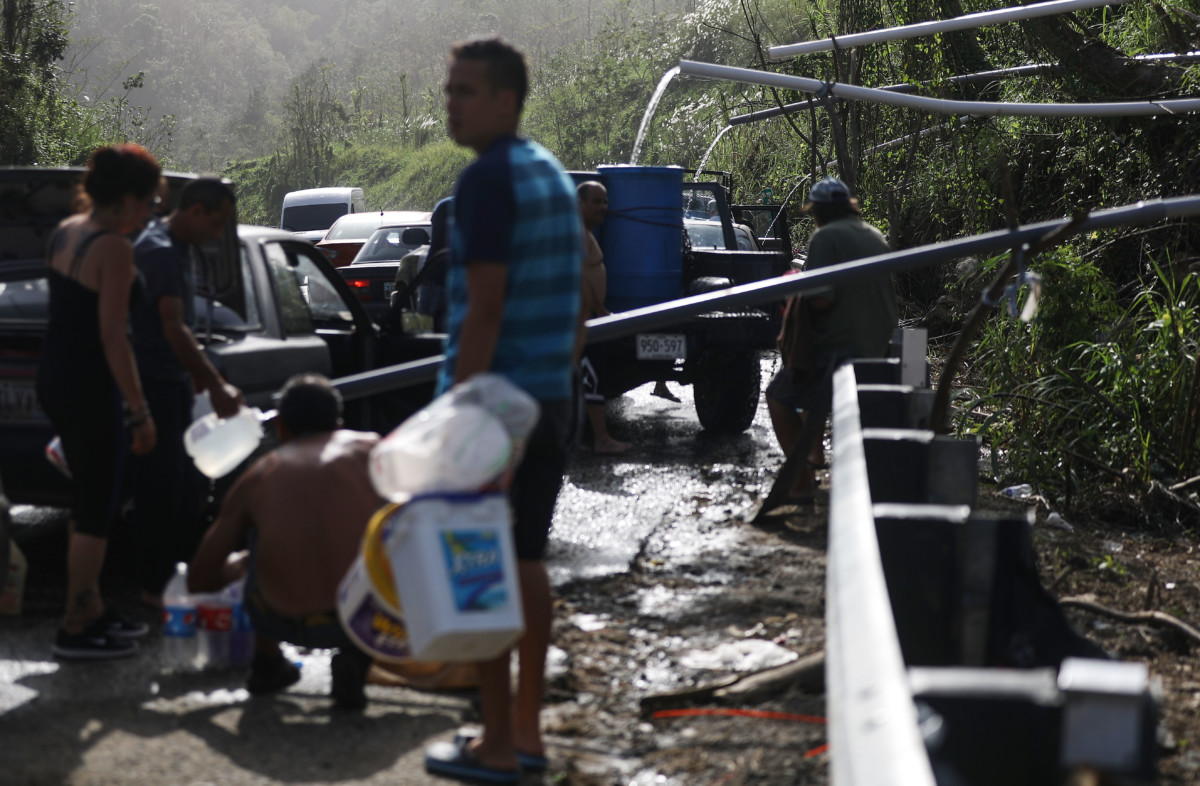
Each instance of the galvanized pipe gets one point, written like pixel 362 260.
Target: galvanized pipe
pixel 938 105
pixel 966 22
pixel 1015 72
pixel 964 79
pixel 771 289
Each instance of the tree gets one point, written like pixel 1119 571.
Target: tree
pixel 314 121
pixel 36 117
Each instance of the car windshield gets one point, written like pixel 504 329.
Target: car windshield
pixel 388 244
pixel 356 227
pixel 299 218
pixel 705 234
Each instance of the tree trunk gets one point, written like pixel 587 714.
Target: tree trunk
pixel 1093 64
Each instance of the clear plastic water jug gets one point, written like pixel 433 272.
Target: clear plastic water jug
pixel 218 445
pixel 450 448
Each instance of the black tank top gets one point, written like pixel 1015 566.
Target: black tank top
pixel 73 335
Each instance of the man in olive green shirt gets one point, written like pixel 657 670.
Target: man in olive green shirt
pixel 848 321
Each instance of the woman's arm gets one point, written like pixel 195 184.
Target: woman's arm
pixel 115 277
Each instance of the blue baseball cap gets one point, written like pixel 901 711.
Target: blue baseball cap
pixel 829 190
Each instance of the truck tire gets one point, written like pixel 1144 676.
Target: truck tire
pixel 726 389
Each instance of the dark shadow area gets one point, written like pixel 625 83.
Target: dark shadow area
pixel 292 737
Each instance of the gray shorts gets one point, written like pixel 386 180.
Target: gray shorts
pixel 812 394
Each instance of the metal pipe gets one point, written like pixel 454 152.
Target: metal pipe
pixel 675 311
pixel 1016 72
pixel 967 22
pixel 938 105
pixel 963 79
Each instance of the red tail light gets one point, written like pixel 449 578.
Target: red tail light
pixel 360 287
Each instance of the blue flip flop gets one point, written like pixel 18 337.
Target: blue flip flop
pixel 455 760
pixel 530 762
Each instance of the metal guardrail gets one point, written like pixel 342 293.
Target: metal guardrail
pixel 672 312
pixel 946 659
pixel 873 734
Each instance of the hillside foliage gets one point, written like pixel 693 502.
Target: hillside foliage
pixel 1100 391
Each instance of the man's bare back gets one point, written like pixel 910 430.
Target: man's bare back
pixel 308 502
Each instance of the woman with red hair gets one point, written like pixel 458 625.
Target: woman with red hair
pixel 88 382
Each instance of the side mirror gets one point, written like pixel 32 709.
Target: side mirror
pixel 415 236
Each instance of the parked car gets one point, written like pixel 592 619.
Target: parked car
pixel 704 233
pixel 710 233
pixel 372 273
pixel 268 306
pixel 348 234
pixel 311 211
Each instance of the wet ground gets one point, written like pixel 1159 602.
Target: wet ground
pixel 663 591
pixel 666 598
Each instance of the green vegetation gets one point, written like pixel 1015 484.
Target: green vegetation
pixel 1101 391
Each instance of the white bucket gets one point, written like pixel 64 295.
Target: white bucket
pixel 367 605
pixel 455 572
pixel 218 446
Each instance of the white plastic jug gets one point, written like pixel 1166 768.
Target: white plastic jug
pixel 217 446
pixel 515 408
pixel 459 447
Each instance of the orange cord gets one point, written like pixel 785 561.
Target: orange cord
pixel 788 716
pixel 817 751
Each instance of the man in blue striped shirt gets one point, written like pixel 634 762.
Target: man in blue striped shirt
pixel 513 290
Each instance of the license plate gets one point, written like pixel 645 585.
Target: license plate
pixel 661 346
pixel 18 402
pixel 388 286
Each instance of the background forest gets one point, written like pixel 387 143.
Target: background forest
pixel 1100 393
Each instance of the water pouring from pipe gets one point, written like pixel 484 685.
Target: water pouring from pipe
pixel 650 108
pixel 707 153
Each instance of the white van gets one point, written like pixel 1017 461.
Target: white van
pixel 310 212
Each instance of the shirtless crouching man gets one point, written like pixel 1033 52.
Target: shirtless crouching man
pixel 300 511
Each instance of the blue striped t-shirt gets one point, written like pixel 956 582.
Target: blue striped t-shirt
pixel 516 206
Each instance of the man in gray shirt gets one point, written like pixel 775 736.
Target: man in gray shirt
pixel 847 321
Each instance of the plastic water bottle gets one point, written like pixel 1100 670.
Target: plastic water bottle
pixel 1020 491
pixel 241 638
pixel 216 628
pixel 179 623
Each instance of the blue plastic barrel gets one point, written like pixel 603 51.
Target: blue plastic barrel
pixel 642 236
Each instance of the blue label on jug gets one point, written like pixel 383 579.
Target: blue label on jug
pixel 179 621
pixel 473 560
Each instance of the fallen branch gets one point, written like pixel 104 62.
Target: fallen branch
pixel 661 701
pixel 1159 618
pixel 1156 489
pixel 806 673
pixel 1185 485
